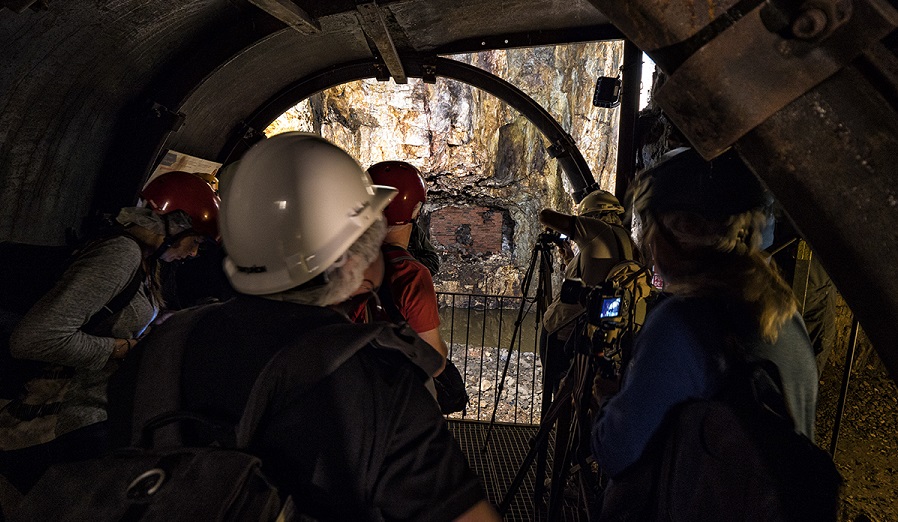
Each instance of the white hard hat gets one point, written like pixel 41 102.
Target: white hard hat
pixel 292 208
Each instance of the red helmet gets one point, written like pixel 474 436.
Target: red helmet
pixel 407 179
pixel 188 192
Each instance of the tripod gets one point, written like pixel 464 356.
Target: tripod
pixel 541 254
pixel 569 416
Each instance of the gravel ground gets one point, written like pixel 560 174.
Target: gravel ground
pixel 522 389
pixel 867 449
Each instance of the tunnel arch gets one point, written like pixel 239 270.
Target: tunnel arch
pixel 562 146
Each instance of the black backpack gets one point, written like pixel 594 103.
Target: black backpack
pixel 27 272
pixel 734 457
pixel 159 478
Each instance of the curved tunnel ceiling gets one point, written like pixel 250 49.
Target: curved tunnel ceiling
pixel 93 89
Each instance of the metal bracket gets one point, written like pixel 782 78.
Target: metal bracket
pixel 748 73
pixel 429 73
pixel 171 120
pixel 248 133
pixel 375 27
pixel 382 74
pixel 819 19
pixel 585 191
pixel 556 149
pixel 289 13
pixel 812 20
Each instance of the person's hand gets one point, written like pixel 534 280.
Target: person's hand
pixel 120 348
pixel 603 388
pixel 566 251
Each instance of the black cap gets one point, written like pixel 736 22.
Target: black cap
pixel 684 181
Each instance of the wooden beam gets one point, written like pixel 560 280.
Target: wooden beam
pixel 376 28
pixel 289 13
pixel 629 113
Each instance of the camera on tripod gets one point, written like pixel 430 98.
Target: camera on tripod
pixel 605 304
pixel 551 237
pixel 607 312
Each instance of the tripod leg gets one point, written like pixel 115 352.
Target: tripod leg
pixel 560 464
pixel 537 444
pixel 571 423
pixel 528 276
pixel 550 384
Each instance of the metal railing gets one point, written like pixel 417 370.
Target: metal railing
pixel 478 329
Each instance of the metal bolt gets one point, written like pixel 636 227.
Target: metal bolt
pixel 810 23
pixel 844 9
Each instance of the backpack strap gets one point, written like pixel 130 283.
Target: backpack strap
pixel 751 383
pixel 624 247
pixel 762 388
pixel 118 303
pixel 121 300
pixel 157 408
pixel 399 254
pixel 385 298
pixel 393 255
pixel 623 242
pixel 297 366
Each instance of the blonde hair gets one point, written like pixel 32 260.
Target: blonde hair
pixel 715 257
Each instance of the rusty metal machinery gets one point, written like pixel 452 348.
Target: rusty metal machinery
pixel 808 94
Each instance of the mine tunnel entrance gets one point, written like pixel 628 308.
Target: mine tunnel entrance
pixel 105 88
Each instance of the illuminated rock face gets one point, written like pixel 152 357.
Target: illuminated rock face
pixel 487 170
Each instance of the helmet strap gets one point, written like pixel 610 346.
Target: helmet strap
pixel 344 257
pixel 169 239
pixel 319 280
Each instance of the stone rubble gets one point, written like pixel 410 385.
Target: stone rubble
pixel 482 369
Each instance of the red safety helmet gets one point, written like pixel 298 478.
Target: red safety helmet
pixel 178 190
pixel 408 180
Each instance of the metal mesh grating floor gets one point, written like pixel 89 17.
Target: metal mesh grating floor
pixel 499 464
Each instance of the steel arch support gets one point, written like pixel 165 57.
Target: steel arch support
pixel 562 146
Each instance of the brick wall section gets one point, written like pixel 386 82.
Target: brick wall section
pixel 472 230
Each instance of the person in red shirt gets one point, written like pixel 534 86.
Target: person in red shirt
pixel 408 293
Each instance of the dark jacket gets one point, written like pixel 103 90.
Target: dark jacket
pixel 366 443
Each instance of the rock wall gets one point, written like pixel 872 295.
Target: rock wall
pixel 486 166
